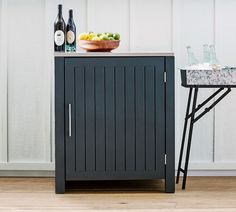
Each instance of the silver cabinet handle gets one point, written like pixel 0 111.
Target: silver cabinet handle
pixel 70 120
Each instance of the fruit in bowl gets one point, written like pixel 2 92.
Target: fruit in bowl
pixel 99 42
pixel 99 36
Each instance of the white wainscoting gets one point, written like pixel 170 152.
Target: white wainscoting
pixel 225 115
pixel 26 70
pixel 3 82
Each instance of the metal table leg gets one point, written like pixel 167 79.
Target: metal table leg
pixel 190 137
pixel 184 134
pixel 194 119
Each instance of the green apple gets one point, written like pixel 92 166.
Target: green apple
pixel 109 34
pixel 116 36
pixel 104 37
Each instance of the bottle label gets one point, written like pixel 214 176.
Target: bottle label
pixel 70 37
pixel 59 37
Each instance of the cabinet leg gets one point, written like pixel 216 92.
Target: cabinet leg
pixel 60 186
pixel 170 185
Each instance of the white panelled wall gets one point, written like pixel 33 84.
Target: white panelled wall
pixel 26 70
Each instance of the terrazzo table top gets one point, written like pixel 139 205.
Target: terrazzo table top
pixel 221 77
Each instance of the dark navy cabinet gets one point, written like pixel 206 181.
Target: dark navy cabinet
pixel 114 118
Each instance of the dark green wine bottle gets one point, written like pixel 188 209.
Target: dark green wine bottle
pixel 59 32
pixel 71 34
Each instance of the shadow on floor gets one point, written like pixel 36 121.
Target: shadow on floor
pixel 131 186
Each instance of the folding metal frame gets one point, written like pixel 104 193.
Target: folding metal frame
pixel 191 115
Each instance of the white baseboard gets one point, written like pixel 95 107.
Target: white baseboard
pixel 27 166
pixel 48 169
pixel 211 169
pixel 210 166
pixel 27 169
pixel 25 173
pixel 215 173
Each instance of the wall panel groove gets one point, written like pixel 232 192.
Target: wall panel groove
pixel 107 16
pixel 225 115
pixel 49 65
pixel 192 29
pixel 150 25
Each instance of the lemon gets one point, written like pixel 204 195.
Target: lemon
pixel 91 36
pixel 99 36
pixel 96 38
pixel 83 36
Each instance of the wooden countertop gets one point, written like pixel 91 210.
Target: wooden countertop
pixel 113 54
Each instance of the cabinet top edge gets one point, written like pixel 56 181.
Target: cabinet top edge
pixel 113 54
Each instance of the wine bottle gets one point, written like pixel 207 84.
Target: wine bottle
pixel 59 32
pixel 71 34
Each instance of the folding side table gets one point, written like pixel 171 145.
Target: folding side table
pixel 223 80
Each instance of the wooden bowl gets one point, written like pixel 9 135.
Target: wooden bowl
pixel 99 46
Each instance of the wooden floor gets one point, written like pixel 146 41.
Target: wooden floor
pixel 210 194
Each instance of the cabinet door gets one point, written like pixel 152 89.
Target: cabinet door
pixel 115 118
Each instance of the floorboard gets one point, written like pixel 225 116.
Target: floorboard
pixel 211 194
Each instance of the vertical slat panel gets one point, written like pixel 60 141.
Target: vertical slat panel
pixel 110 119
pixel 225 115
pixel 79 108
pixel 130 118
pixel 60 125
pixel 140 118
pixel 170 124
pixel 120 118
pixel 159 113
pixel 70 142
pixel 90 119
pixel 100 119
pixel 150 118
